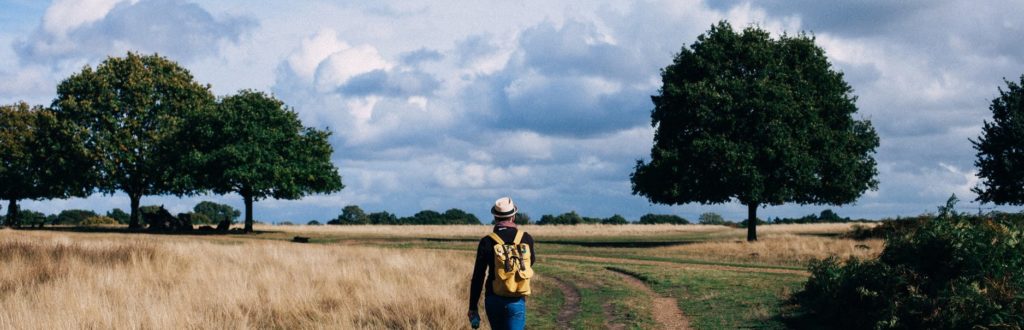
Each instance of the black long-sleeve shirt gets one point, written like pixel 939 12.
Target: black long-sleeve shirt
pixel 485 261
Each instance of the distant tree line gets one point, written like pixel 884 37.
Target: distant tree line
pixel 354 215
pixel 204 213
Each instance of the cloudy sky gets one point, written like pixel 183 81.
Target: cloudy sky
pixel 442 104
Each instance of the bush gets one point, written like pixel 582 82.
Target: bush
pixel 98 220
pixel 650 219
pixel 951 272
pixel 615 220
pixel 887 228
pixel 73 217
pixel 119 215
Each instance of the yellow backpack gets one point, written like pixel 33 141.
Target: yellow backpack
pixel 512 269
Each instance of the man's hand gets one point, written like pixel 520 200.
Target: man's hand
pixel 474 319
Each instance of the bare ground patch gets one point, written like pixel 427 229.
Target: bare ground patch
pixel 665 310
pixel 571 306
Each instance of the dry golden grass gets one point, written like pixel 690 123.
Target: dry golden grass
pixel 103 281
pixel 779 248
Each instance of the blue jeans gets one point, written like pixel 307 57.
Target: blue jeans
pixel 505 313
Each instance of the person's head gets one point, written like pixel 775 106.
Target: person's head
pixel 504 209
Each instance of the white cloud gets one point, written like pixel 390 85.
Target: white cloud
pixel 313 50
pixel 73 33
pixel 65 15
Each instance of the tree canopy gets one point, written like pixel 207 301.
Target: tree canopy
pixel 40 158
pixel 254 145
pixel 742 116
pixel 1000 157
pixel 132 109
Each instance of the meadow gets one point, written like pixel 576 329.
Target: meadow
pixel 405 277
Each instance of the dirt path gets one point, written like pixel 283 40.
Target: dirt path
pixel 665 310
pixel 571 306
pixel 678 264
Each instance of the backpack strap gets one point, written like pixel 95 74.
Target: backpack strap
pixel 497 239
pixel 519 237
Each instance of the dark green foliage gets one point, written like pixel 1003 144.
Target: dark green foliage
pixel 888 228
pixel 570 218
pixel 614 220
pixel 150 209
pixel 201 219
pixel 313 223
pixel 119 215
pixel 457 216
pixel 30 217
pixel 743 224
pixel 73 217
pixel 382 218
pixel 133 109
pixel 351 215
pixel 253 144
pixel 216 212
pixel 763 121
pixel 953 271
pixel 650 219
pixel 41 157
pixel 1000 157
pixel 450 217
pixel 710 218
pixel 523 219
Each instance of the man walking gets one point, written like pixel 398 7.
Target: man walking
pixel 507 256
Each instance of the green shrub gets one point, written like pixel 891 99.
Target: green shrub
pixel 98 220
pixel 951 271
pixel 614 220
pixel 651 219
pixel 73 217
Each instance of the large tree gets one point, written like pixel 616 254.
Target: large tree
pixel 133 108
pixel 743 116
pixel 40 158
pixel 1000 158
pixel 254 145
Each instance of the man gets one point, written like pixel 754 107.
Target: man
pixel 502 312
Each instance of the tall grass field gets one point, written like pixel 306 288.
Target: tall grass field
pixel 402 277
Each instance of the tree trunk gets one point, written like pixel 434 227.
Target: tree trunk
pixel 751 222
pixel 248 212
pixel 12 213
pixel 136 214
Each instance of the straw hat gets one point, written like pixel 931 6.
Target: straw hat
pixel 504 208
